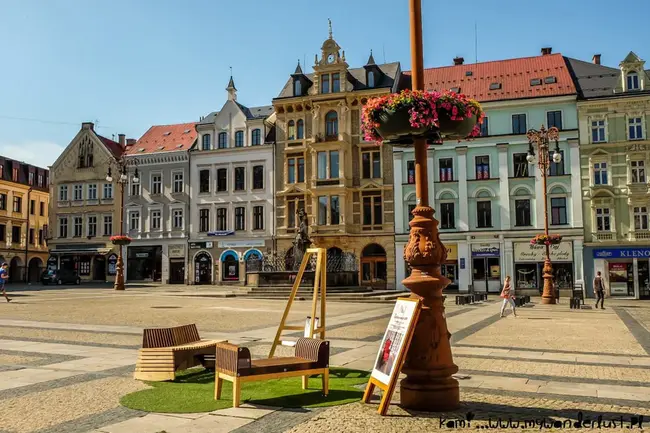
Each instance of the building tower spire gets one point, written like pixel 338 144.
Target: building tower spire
pixel 231 89
pixel 329 21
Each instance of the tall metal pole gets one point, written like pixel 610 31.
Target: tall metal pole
pixel 29 193
pixel 548 293
pixel 428 385
pixel 119 278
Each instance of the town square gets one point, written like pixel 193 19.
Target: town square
pixel 322 227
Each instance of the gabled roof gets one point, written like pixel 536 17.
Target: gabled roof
pixel 502 79
pixel 165 138
pixel 593 80
pixel 113 146
pixel 251 113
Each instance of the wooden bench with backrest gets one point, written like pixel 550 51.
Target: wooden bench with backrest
pixel 167 350
pixel 234 364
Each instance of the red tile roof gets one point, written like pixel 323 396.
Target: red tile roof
pixel 514 75
pixel 165 138
pixel 113 146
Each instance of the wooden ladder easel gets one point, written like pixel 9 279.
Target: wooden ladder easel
pixel 320 285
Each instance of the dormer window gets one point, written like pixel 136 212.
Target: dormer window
pixel 297 88
pixel 371 79
pixel 325 83
pixel 206 142
pixel 633 81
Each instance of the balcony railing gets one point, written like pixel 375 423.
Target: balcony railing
pixel 640 235
pixel 604 236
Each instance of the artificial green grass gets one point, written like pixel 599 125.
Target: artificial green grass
pixel 193 391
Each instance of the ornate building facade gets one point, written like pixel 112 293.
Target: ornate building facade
pixel 325 167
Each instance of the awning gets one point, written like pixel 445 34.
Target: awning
pixel 97 251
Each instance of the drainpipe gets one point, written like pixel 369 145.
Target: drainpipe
pixel 189 213
pixel 29 193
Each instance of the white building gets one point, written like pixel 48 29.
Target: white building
pixel 232 189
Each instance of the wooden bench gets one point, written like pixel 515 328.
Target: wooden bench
pixel 167 350
pixel 234 364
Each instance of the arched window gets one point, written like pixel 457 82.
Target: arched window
pixel 256 137
pixel 297 88
pixel 331 124
pixel 206 142
pixel 291 130
pixel 223 140
pixel 239 139
pixel 371 79
pixel 301 129
pixel 633 81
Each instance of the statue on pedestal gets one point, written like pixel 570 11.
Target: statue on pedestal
pixel 302 241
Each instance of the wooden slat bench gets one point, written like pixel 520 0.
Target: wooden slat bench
pixel 167 350
pixel 234 364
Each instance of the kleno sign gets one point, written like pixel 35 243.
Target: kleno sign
pixel 621 253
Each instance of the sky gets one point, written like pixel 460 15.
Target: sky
pixel 129 64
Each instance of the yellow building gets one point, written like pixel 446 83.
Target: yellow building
pixel 324 165
pixel 24 202
pixel 85 207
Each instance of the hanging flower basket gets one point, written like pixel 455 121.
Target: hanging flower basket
pixel 408 115
pixel 120 240
pixel 546 240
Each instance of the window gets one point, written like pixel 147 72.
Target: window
pixel 240 218
pixel 638 171
pixel 78 192
pixel 108 225
pixel 518 123
pixel 371 79
pixel 78 227
pixel 301 169
pixel 40 237
pixel 156 184
pixel 300 129
pixel 178 182
pixel 258 177
pixel 256 137
pixel 92 192
pixel 334 164
pixel 331 124
pixel 336 82
pixel 291 130
pixel 335 212
pixel 293 204
pixel 372 210
pixel 600 173
pixel 135 188
pixel 446 170
pixel 291 170
pixel 641 218
pixel 598 131
pixel 484 214
pixel 134 221
pixel 371 165
pixel 41 210
pixel 325 83
pixel 328 168
pixel 633 81
pixel 410 209
pixel 521 164
pixel 447 217
pixel 3 201
pixel 554 119
pixel 485 127
pixel 204 181
pixel 258 217
pixel 297 88
pixel 14 174
pixel 556 168
pixel 63 193
pixel 322 210
pixel 410 172
pixel 522 213
pixel 30 178
pixel 3 233
pixel 239 139
pixel 16 234
pixel 223 140
pixel 177 219
pixel 32 207
pixel 2 171
pixel 204 220
pixel 222 179
pixel 18 204
pixel 63 227
pixel 31 236
pixel 558 211
pixel 635 129
pixel 240 178
pixel 221 219
pixel 40 180
pixel 206 142
pixel 603 220
pixel 85 154
pixel 108 191
pixel 482 167
pixel 155 220
pixel 92 226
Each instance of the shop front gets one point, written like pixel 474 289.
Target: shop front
pixel 202 265
pixel 626 271
pixel 176 257
pixel 449 268
pixel 89 261
pixel 144 263
pixel 486 268
pixel 529 265
pixel 234 255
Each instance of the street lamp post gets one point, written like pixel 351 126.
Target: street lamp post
pixel 541 139
pixel 121 179
pixel 429 365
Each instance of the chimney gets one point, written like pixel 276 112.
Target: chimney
pixel 130 141
pixel 596 59
pixel 458 61
pixel 88 125
pixel 546 51
pixel 122 140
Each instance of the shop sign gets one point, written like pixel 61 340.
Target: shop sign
pixel 222 233
pixel 485 250
pixel 241 244
pixel 199 245
pixel 621 253
pixel 452 252
pixel 176 251
pixel 112 264
pixel 141 255
pixel 525 252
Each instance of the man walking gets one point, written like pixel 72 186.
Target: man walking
pixel 599 289
pixel 4 276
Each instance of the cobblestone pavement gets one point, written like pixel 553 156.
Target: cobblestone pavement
pixel 67 356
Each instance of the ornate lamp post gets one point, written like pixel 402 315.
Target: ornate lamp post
pixel 429 365
pixel 121 179
pixel 542 138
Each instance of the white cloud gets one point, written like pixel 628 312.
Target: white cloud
pixel 39 153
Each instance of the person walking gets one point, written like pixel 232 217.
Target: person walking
pixel 4 276
pixel 508 297
pixel 599 289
